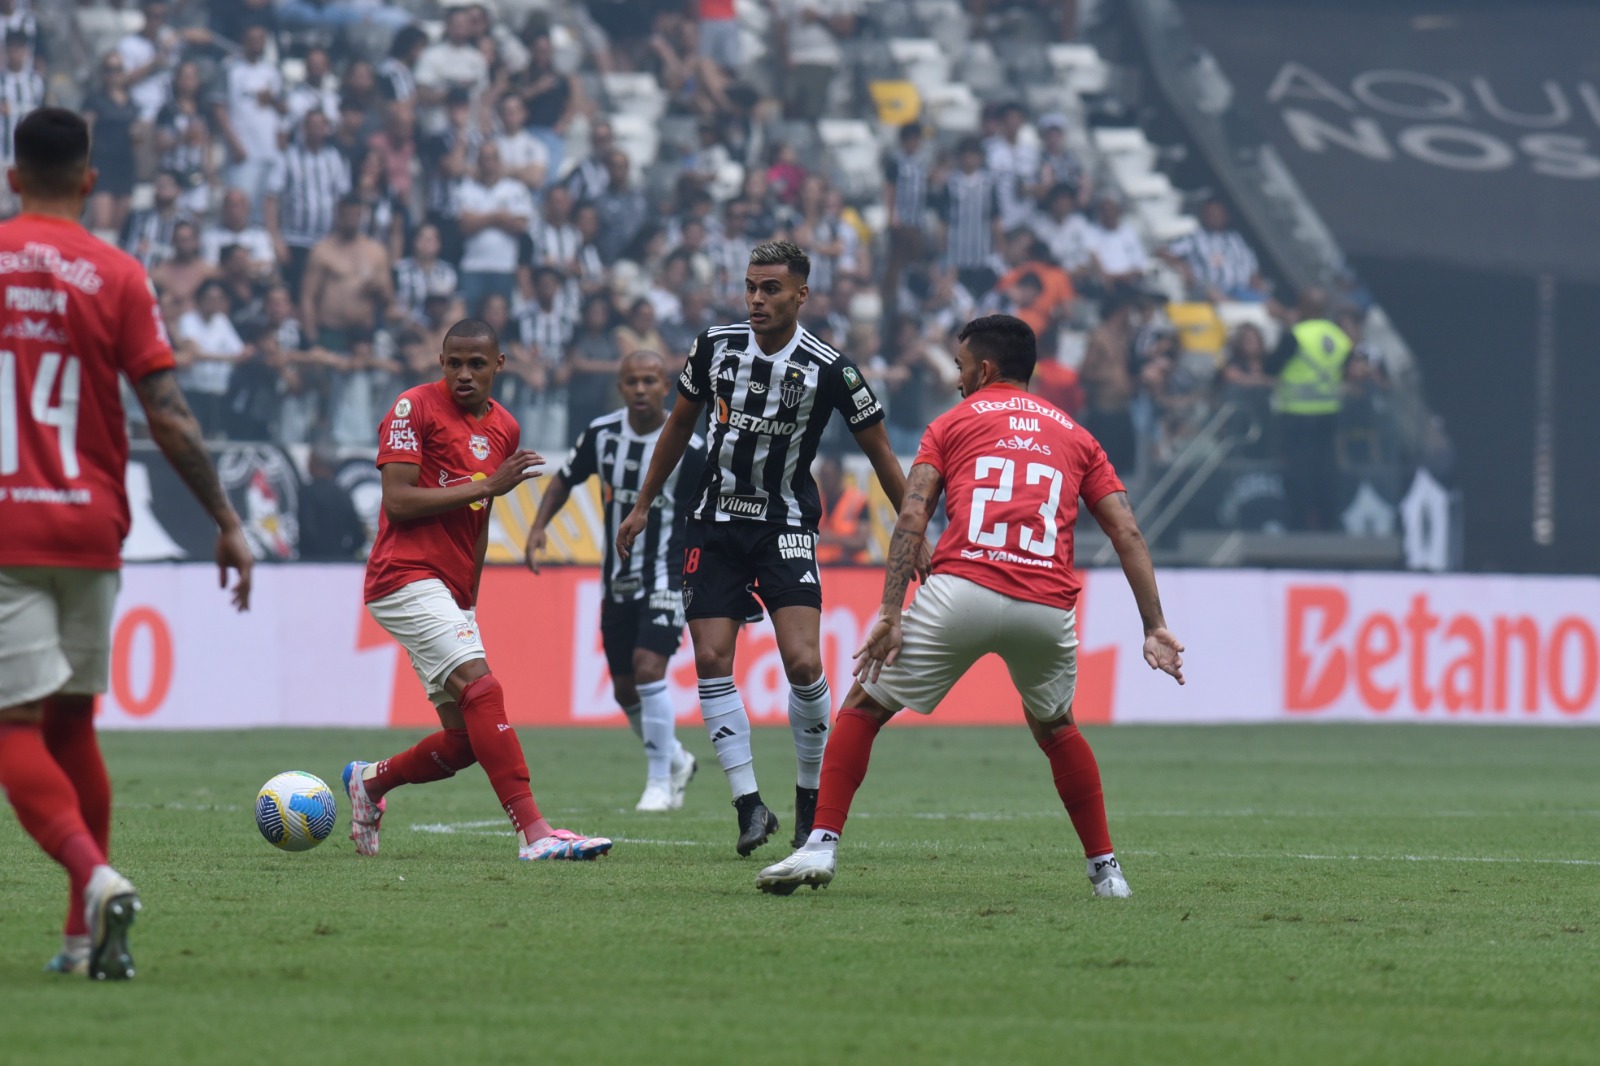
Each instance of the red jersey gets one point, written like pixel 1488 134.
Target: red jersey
pixel 427 428
pixel 75 313
pixel 1013 468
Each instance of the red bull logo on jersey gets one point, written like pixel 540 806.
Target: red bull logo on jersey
pixel 479 446
pixel 1021 403
pixel 35 258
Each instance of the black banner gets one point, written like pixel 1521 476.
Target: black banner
pixel 1465 137
pixel 169 524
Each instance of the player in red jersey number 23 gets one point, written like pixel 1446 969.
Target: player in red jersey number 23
pixel 446 451
pixel 75 316
pixel 1012 468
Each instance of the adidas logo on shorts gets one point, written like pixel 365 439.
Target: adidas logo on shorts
pixel 808 579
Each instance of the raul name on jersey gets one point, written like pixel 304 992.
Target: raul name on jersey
pixel 788 383
pixel 478 445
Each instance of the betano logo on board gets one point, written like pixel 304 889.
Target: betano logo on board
pixel 1424 661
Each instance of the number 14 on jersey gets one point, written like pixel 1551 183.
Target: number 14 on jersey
pixel 63 416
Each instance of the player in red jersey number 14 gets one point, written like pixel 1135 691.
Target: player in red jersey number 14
pixel 446 451
pixel 1011 468
pixel 77 315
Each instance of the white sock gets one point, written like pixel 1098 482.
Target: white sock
pixel 657 724
pixel 822 840
pixel 1094 863
pixel 633 712
pixel 809 706
pixel 729 728
pixel 75 945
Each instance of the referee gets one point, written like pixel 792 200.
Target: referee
pixel 770 388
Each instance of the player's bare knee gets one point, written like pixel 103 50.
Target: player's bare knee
pixel 1043 731
pixel 804 667
pixel 625 690
pixel 464 675
pixel 713 662
pixel 858 702
pixel 648 667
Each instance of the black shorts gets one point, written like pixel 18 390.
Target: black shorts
pixel 724 562
pixel 653 622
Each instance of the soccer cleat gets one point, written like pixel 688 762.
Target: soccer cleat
pixel 805 812
pixel 657 798
pixel 807 866
pixel 1107 879
pixel 109 906
pixel 756 823
pixel 364 814
pixel 564 844
pixel 684 766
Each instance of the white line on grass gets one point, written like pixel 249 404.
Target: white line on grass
pixel 1377 858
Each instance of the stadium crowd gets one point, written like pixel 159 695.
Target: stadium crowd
pixel 320 188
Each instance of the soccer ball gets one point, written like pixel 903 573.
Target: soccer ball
pixel 295 811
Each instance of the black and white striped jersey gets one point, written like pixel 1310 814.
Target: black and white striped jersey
pixel 610 448
pixel 767 413
pixel 308 184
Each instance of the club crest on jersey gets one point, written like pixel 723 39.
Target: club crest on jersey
pixel 793 387
pixel 479 445
pixel 403 408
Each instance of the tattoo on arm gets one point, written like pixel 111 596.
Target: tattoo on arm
pixel 177 432
pixel 899 568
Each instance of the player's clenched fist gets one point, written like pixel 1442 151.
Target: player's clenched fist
pixel 522 465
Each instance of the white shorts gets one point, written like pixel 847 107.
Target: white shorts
pixel 953 623
pixel 55 631
pixel 438 635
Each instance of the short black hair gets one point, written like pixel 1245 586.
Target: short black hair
pixel 782 253
pixel 472 329
pixel 350 199
pixel 1007 342
pixel 405 39
pixel 910 131
pixel 51 151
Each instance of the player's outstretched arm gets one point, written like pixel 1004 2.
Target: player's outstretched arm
pixel 874 444
pixel 674 440
pixel 177 433
pixel 406 501
pixel 554 498
pixel 1161 649
pixel 906 545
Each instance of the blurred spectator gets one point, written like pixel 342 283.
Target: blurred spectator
pixel 250 406
pixel 1366 417
pixel 664 288
pixel 422 274
pixel 554 240
pixel 351 132
pixel 694 84
pixel 1108 384
pixel 21 87
pixel 1245 371
pixel 448 157
pixel 245 289
pixel 147 58
pixel 358 89
pixel 591 175
pixel 395 145
pixel 384 217
pixel 493 212
pixel 112 115
pixel 551 98
pixel 180 275
pixel 589 369
pixel 454 62
pixel 810 50
pixel 1115 247
pixel 1216 262
pixel 968 202
pixel 695 316
pixel 1064 231
pixel 397 80
pixel 17 17
pixel 785 175
pixel 1050 299
pixel 318 90
pixel 622 207
pixel 845 528
pixel 906 172
pixel 361 389
pixel 330 528
pixel 250 115
pixel 1058 164
pixel 719 33
pixel 524 156
pixel 1014 162
pixel 277 314
pixel 592 274
pixel 234 227
pixel 183 139
pixel 207 347
pixel 347 287
pixel 338 15
pixel 833 244
pixel 305 186
pixel 638 331
pixel 147 234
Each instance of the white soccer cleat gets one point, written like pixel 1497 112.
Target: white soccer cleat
pixel 657 798
pixel 365 815
pixel 812 867
pixel 684 766
pixel 109 906
pixel 1107 880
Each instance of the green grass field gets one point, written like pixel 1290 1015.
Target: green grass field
pixel 1302 894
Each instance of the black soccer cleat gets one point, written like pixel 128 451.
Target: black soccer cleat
pixel 805 814
pixel 756 823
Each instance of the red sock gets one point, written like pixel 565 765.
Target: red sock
pixel 69 734
pixel 844 766
pixel 483 705
pixel 45 802
pixel 433 758
pixel 1078 784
